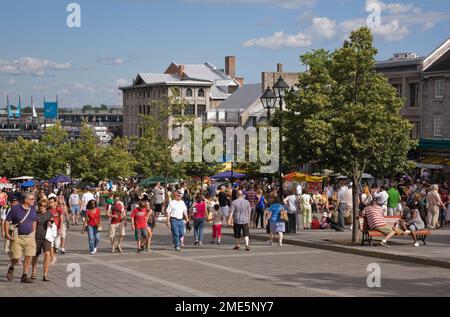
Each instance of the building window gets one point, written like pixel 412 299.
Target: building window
pixel 414 95
pixel 201 93
pixel 437 128
pixel 189 92
pixel 415 131
pixel 189 110
pixel 398 87
pixel 140 109
pixel 439 89
pixel 201 109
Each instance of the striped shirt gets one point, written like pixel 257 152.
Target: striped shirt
pixel 252 199
pixel 375 216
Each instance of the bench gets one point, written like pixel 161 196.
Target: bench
pixel 368 235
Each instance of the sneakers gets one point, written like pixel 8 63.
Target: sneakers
pixel 92 253
pixel 280 244
pixel 247 248
pixel 63 251
pixel 196 242
pixel 200 243
pixel 237 248
pixel 95 250
pixel 212 242
pixel 177 249
pixel 384 244
pixel 416 244
pixel 26 279
pixel 218 242
pixel 407 233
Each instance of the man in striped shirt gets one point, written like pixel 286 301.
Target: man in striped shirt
pixel 253 200
pixel 375 219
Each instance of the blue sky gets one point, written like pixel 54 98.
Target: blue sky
pixel 40 55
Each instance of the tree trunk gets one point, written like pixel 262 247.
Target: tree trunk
pixel 356 178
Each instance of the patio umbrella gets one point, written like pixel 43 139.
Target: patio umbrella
pixel 227 174
pixel 60 179
pixel 28 184
pixel 4 180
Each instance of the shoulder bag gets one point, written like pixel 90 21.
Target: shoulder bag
pixel 14 231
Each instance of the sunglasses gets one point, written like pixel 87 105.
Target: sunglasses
pixel 43 206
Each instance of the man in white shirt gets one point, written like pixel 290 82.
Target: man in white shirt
pixel 74 205
pixel 87 197
pixel 176 213
pixel 382 198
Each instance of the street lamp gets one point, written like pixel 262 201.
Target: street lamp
pixel 269 99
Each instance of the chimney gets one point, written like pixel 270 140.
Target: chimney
pixel 230 66
pixel 180 70
pixel 279 68
pixel 240 80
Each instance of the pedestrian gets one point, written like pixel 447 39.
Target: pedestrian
pixel 382 198
pixel 74 204
pixel 217 219
pixel 158 199
pixel 305 203
pixel 117 214
pixel 260 207
pixel 64 224
pixel 151 223
pixel 4 213
pixel 252 198
pixel 44 218
pixel 199 217
pixel 87 197
pixel 57 217
pixel 92 223
pixel 224 202
pixel 434 203
pixel 21 220
pixel 394 200
pixel 139 219
pixel 291 202
pixel 341 206
pixel 239 217
pixel 176 213
pixel 277 226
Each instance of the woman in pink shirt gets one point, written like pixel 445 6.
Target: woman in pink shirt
pixel 199 215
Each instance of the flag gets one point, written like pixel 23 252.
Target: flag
pixel 51 110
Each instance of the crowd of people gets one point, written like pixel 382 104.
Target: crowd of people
pixel 36 221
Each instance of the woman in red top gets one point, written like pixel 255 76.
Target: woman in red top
pixel 92 222
pixel 199 215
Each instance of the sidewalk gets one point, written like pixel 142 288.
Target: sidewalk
pixel 435 253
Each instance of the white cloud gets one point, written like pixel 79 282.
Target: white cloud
pixel 111 61
pixel 121 82
pixel 279 39
pixel 394 8
pixel 31 66
pixel 323 27
pixel 286 4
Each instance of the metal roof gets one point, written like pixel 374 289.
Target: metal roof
pixel 150 78
pixel 243 98
pixel 401 62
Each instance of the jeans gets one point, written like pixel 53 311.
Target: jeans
pixel 177 228
pixel 199 224
pixel 341 215
pixel 259 215
pixel 94 237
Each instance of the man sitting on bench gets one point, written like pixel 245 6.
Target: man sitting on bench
pixel 412 224
pixel 375 218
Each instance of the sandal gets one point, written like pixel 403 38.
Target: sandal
pixel 10 274
pixel 33 276
pixel 46 279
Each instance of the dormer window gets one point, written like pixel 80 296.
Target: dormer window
pixel 189 92
pixel 201 93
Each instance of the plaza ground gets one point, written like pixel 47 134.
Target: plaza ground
pixel 217 270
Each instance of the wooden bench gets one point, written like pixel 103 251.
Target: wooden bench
pixel 368 235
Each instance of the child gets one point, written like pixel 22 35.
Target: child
pixel 217 218
pixel 315 224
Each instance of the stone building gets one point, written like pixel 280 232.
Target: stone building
pixel 202 86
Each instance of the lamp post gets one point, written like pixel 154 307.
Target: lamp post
pixel 268 100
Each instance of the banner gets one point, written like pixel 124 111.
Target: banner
pixel 13 111
pixel 51 110
pixel 311 187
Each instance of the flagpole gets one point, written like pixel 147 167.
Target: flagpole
pixel 32 117
pixel 45 121
pixel 8 110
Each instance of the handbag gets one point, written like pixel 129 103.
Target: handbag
pixel 14 231
pixel 284 216
pixel 209 216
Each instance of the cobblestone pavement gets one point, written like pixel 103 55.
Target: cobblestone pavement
pixel 217 270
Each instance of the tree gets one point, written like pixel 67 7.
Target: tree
pixel 347 116
pixel 118 160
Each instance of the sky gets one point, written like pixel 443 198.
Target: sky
pixel 40 55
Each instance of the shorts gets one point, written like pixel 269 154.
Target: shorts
pixel 151 225
pixel 386 230
pixel 225 212
pixel 140 234
pixel 42 245
pixel 276 227
pixel 75 210
pixel 158 207
pixel 413 228
pixel 238 228
pixel 118 228
pixel 7 246
pixel 23 245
